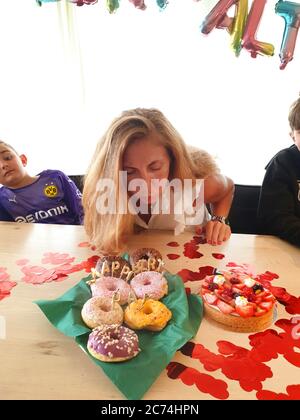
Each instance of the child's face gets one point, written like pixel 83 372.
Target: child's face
pixel 12 166
pixel 147 159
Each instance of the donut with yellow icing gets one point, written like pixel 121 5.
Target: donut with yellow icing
pixel 147 314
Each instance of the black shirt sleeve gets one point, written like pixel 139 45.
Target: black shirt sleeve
pixel 279 205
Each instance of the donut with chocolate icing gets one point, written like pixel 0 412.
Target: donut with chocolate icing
pixel 113 343
pixel 100 310
pixel 112 265
pixel 144 254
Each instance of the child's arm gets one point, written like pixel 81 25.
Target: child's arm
pixel 72 198
pixel 277 210
pixel 218 192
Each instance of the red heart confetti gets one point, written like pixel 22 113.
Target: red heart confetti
pixel 23 261
pixel 173 256
pixel 205 383
pixel 84 245
pixel 218 256
pixel 293 393
pixel 233 361
pixel 56 258
pixel 199 240
pixel 191 251
pixel 5 288
pixel 188 275
pixel 174 244
pixel 5 284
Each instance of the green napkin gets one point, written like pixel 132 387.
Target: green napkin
pixel 133 377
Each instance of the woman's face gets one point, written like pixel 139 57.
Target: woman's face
pixel 146 159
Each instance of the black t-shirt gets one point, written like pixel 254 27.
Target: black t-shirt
pixel 279 205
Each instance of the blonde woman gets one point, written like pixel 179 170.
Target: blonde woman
pixel 143 145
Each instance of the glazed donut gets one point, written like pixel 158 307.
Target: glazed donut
pixel 100 310
pixel 113 265
pixel 147 314
pixel 144 254
pixel 113 343
pixel 107 286
pixel 150 283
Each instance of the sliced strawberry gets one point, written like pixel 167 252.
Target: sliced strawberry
pixel 266 305
pixel 224 296
pixel 260 311
pixel 268 297
pixel 258 300
pixel 210 299
pixel 245 311
pixel 234 280
pixel 240 286
pixel 261 294
pixel 209 279
pixel 204 290
pixel 224 307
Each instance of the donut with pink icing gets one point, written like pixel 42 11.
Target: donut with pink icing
pixel 108 286
pixel 113 343
pixel 101 310
pixel 150 283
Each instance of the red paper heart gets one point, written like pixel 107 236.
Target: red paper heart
pixel 173 256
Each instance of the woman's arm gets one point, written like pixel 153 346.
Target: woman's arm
pixel 218 192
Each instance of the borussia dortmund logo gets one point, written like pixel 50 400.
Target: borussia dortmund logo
pixel 51 190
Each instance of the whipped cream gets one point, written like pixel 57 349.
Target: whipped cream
pixel 219 279
pixel 249 282
pixel 241 301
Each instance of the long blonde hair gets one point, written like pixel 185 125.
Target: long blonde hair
pixel 108 232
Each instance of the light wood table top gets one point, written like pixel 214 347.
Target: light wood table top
pixel 38 362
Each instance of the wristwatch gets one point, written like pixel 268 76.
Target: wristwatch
pixel 221 219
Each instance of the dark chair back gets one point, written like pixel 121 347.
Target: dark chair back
pixel 243 212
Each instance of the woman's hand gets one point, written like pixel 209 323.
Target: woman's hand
pixel 216 232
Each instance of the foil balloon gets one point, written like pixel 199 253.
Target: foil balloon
pixel 238 26
pixel 291 15
pixel 162 4
pixel 250 42
pixel 218 18
pixel 77 2
pixel 40 2
pixel 112 5
pixel 139 4
pixel 82 2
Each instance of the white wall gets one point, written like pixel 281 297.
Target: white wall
pixel 55 103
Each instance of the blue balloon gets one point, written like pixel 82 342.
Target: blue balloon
pixel 40 2
pixel 162 4
pixel 290 12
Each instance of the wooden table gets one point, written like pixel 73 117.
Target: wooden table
pixel 38 362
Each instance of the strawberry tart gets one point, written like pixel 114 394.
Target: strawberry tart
pixel 238 301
